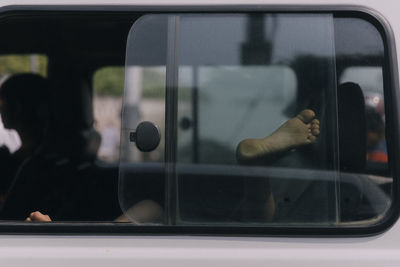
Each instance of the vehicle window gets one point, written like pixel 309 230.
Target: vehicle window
pixel 248 93
pixel 142 171
pixel 246 120
pixel 269 120
pixel 62 169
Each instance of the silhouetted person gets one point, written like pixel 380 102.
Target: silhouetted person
pixel 24 108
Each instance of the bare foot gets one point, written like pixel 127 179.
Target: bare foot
pixel 298 131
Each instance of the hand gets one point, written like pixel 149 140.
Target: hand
pixel 37 216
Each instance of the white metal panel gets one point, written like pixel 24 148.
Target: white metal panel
pixel 382 250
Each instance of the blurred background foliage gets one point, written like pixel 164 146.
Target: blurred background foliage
pixel 11 64
pixel 110 81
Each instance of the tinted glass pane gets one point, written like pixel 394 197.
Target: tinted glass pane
pixel 241 77
pixel 142 173
pixel 360 60
pixel 270 119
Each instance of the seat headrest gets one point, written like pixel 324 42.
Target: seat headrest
pixel 352 127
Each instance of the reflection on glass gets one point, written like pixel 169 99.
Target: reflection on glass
pixel 264 77
pixel 248 76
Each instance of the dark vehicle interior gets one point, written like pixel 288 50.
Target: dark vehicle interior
pixel 76 45
pixel 79 43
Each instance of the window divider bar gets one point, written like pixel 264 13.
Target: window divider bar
pixel 171 111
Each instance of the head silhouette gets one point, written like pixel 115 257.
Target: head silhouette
pixel 23 103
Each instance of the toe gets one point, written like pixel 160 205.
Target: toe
pixel 315 131
pixel 306 115
pixel 315 121
pixel 312 138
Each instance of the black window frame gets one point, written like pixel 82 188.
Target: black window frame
pixel 391 94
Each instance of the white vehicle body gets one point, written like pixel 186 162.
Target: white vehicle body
pixel 205 250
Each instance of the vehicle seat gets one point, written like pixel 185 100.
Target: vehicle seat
pixel 352 128
pixel 352 148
